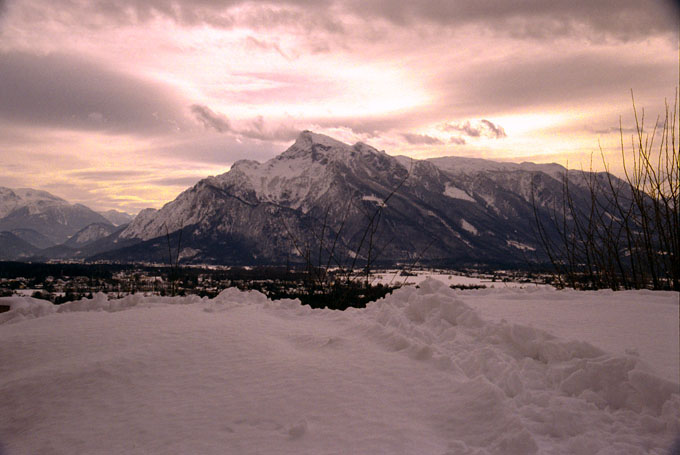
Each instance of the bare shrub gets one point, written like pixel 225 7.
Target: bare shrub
pixel 626 232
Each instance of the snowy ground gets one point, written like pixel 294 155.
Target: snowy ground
pixel 393 278
pixel 427 370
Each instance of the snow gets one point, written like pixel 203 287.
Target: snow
pixel 468 227
pixel 376 199
pixel 284 179
pixel 34 200
pixel 394 278
pixel 456 193
pixel 142 226
pixel 298 175
pixel 464 165
pixel 520 245
pixel 639 323
pixel 295 179
pixel 430 213
pixel 427 370
pixel 90 233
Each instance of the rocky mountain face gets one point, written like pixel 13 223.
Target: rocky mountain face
pixel 327 201
pixel 89 234
pixel 27 209
pixel 13 247
pixel 321 202
pixel 33 237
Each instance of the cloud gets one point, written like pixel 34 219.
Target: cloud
pixel 465 127
pixel 258 130
pixel 99 175
pixel 553 80
pixel 255 43
pixel 212 149
pixel 495 130
pixel 253 129
pixel 613 130
pixel 210 119
pixel 66 91
pixel 184 182
pixel 421 139
pixel 344 66
pixel 616 19
pixel 308 15
pixel 543 19
pixel 482 128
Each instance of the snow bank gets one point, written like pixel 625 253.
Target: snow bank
pixel 637 323
pixel 421 371
pixel 25 307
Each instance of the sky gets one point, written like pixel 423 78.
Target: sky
pixel 124 104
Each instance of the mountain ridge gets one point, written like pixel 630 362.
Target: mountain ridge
pixel 324 201
pixel 45 213
pixel 321 184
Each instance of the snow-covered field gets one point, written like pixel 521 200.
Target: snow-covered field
pixel 427 370
pixel 394 278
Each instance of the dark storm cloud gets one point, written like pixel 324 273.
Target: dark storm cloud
pixel 553 80
pixel 421 139
pixel 64 91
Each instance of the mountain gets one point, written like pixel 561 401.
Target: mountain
pixel 44 213
pixel 90 234
pixel 91 240
pixel 13 247
pixel 117 218
pixel 352 202
pixel 33 237
pixel 325 202
pixel 458 165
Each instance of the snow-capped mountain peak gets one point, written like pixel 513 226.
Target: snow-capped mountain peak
pixel 461 210
pixel 295 179
pixel 33 200
pixel 307 139
pixel 305 170
pixel 45 213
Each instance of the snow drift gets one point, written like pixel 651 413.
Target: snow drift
pixel 419 372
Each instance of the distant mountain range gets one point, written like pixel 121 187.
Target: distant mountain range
pixel 320 201
pixel 32 222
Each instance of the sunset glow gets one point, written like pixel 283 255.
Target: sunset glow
pixel 125 104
